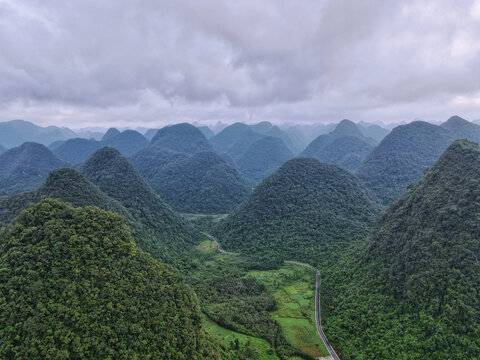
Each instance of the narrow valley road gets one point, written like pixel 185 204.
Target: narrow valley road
pixel 322 335
pixel 318 321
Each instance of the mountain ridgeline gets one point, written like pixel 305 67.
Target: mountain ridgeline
pixel 165 234
pixel 74 286
pixel 26 167
pixel 415 286
pixel 183 169
pixel 345 146
pixel 305 211
pixel 403 155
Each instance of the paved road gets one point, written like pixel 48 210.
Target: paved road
pixel 322 335
pixel 220 246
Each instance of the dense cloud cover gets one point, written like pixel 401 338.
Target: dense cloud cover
pixel 151 62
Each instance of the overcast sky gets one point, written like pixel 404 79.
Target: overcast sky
pixel 150 62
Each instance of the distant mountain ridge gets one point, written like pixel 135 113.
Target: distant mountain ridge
pixel 345 146
pixel 25 167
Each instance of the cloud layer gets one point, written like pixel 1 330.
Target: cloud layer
pixel 151 62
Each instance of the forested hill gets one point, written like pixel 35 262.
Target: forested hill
pixel 64 184
pixel 201 183
pixel 26 167
pixel 74 286
pixel 345 146
pixel 460 128
pixel 415 287
pixel 305 211
pixel 114 175
pixel 183 137
pixel 262 158
pixel 402 157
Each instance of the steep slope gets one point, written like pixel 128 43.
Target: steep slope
pixel 413 292
pixel 74 285
pixel 182 138
pixel 345 146
pixel 228 136
pixel 202 183
pixel 462 129
pixel 64 184
pixel 305 211
pixel 16 132
pixel 268 129
pixel 75 151
pixel 2 149
pixel 262 158
pixel 110 134
pixel 237 149
pixel 170 236
pixel 206 131
pixel 402 156
pixel 373 131
pixel 150 134
pixel 26 167
pixel 128 142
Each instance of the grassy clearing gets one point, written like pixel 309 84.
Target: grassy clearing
pixel 293 287
pixel 258 348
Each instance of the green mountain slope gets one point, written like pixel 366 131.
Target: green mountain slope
pixel 74 285
pixel 128 142
pixel 345 146
pixel 110 134
pixel 402 157
pixel 182 138
pixel 412 293
pixel 64 184
pixel 202 183
pixel 305 211
pixel 169 236
pixel 262 158
pixel 26 167
pixel 462 129
pixel 76 151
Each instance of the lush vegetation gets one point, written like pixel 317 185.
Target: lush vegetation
pixel 73 285
pixel 184 138
pixel 262 158
pixel 198 183
pixel 26 167
pixel 237 302
pixel 76 151
pixel 412 292
pixel 304 209
pixel 165 234
pixel 128 142
pixel 293 287
pixel 345 146
pixel 402 157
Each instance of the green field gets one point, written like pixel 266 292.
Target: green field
pixel 293 287
pixel 259 349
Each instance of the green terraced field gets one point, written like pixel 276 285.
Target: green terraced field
pixel 293 287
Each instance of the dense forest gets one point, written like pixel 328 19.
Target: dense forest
pixel 73 285
pixel 304 209
pixel 26 167
pixel 415 284
pixel 181 166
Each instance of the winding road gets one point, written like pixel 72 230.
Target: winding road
pixel 322 335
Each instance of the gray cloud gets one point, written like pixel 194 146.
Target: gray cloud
pixel 151 62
